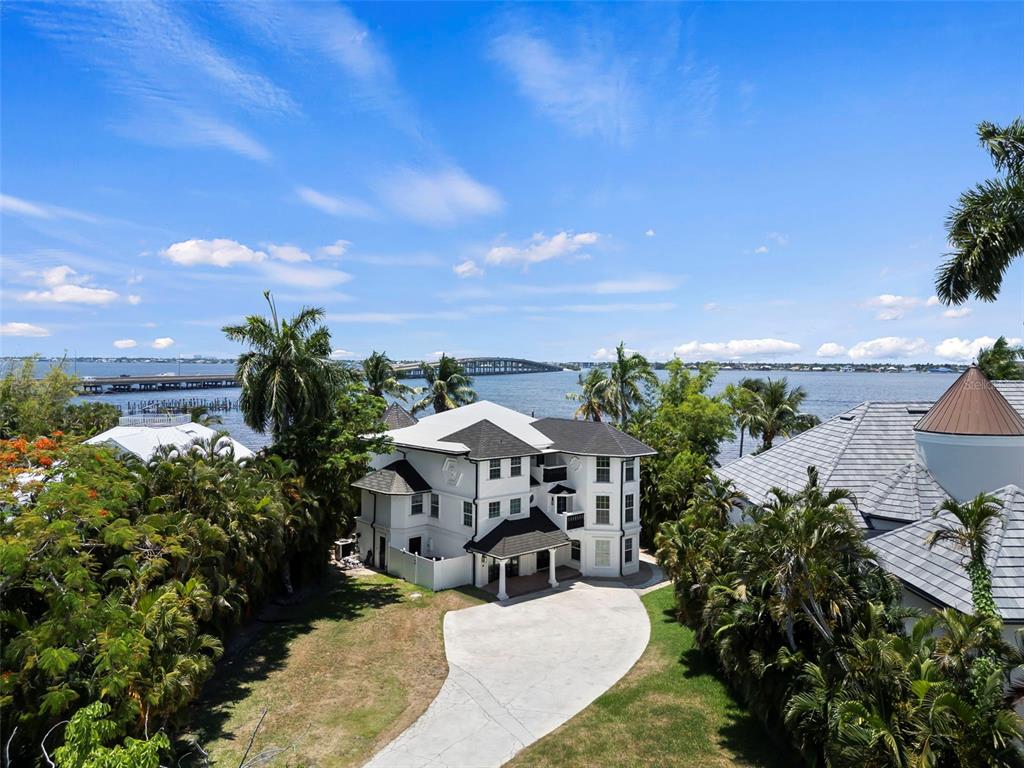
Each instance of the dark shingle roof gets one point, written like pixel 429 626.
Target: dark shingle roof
pixel 558 489
pixel 512 538
pixel 486 440
pixel 972 406
pixel 590 438
pixel 939 573
pixel 397 478
pixel 396 417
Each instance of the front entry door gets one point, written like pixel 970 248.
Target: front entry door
pixel 382 558
pixel 543 559
pixel 512 569
pixel 492 571
pixel 416 545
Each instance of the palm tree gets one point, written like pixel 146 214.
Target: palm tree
pixel 379 371
pixel 287 375
pixel 448 386
pixel 1000 361
pixel 740 398
pixel 630 374
pixel 201 415
pixel 594 397
pixel 974 520
pixel 775 410
pixel 986 226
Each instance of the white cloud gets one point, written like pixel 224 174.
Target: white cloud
pixel 761 249
pixel 23 329
pixel 955 313
pixel 649 233
pixel 134 298
pixel 594 309
pixel 342 354
pixel 542 248
pixel 736 348
pixel 831 349
pixel 20 207
pixel 577 88
pixel 163 343
pixel 336 249
pixel 603 354
pixel 70 293
pixel 888 347
pixel 933 301
pixel 392 318
pixel 335 206
pixel 438 199
pixel 965 349
pixel 220 252
pixel 710 306
pixel 134 279
pixel 303 276
pixel 126 343
pixel 289 253
pixel 778 238
pixel 891 306
pixel 468 268
pixel 59 275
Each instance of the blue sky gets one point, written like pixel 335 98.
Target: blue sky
pixel 748 181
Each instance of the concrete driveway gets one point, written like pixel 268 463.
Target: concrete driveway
pixel 519 670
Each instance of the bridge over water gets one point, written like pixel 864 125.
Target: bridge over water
pixel 483 366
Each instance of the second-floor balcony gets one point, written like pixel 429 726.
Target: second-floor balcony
pixel 574 520
pixel 553 474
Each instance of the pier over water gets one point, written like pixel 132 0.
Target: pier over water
pixel 97 385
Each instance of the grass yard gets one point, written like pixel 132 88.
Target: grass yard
pixel 341 673
pixel 671 709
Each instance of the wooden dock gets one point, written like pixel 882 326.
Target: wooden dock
pixel 97 385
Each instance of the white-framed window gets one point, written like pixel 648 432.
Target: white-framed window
pixel 628 508
pixel 515 467
pixel 515 506
pixel 627 550
pixel 630 471
pixel 495 469
pixel 603 506
pixel 417 504
pixel 467 513
pixel 574 550
pixel 494 509
pixel 435 505
pixel 604 469
pixel 561 504
pixel 602 553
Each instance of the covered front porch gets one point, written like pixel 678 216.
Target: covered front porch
pixel 515 586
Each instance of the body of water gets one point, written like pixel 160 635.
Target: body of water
pixel 543 394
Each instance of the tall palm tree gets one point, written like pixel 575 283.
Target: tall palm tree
pixel 986 226
pixel 775 410
pixel 201 415
pixel 630 375
pixel 974 521
pixel 1002 361
pixel 287 374
pixel 594 397
pixel 379 372
pixel 448 386
pixel 740 398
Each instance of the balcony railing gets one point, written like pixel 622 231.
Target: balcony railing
pixel 574 521
pixel 554 474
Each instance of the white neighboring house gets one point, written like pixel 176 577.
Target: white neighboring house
pixel 494 493
pixel 142 437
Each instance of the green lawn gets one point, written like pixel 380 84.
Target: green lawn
pixel 671 709
pixel 340 674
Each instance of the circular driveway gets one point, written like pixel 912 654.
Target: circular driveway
pixel 518 670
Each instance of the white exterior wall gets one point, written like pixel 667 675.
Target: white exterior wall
pixel 966 465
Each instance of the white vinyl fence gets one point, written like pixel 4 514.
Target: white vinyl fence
pixel 432 574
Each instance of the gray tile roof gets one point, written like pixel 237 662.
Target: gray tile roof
pixel 591 438
pixel 512 538
pixel 396 417
pixel 486 440
pixel 399 478
pixel 1013 391
pixel 939 573
pixel 908 494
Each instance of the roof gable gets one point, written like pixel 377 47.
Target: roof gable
pixel 396 417
pixel 399 478
pixel 591 438
pixel 511 538
pixel 486 440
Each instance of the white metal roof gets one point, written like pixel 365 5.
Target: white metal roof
pixel 144 441
pixel 428 431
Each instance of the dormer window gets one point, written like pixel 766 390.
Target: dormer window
pixel 495 469
pixel 516 467
pixel 604 469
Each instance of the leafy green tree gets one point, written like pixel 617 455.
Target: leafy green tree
pixel 631 377
pixel 986 226
pixel 448 386
pixel 1002 361
pixel 595 397
pixel 773 409
pixel 31 406
pixel 88 419
pixel 287 375
pixel 381 380
pixel 87 737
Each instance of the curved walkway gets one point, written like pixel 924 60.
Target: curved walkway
pixel 518 670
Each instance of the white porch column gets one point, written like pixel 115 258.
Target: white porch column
pixel 502 594
pixel 551 568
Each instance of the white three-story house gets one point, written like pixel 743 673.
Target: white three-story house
pixel 487 493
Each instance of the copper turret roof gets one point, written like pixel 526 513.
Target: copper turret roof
pixel 972 406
